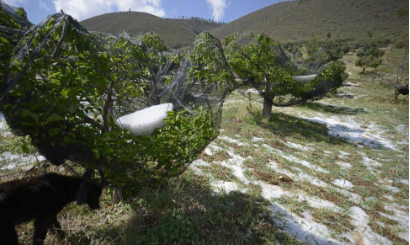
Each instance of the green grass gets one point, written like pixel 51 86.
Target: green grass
pixel 220 172
pixel 339 222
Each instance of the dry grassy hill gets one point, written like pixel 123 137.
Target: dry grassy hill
pixel 196 25
pixel 286 22
pixel 299 20
pixel 134 23
pixel 176 33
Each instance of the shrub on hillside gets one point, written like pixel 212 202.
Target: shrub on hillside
pixel 369 56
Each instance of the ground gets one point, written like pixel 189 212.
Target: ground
pixel 332 172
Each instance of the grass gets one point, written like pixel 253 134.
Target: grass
pixel 218 156
pixel 184 211
pixel 220 172
pixel 339 222
pixel 294 205
pixel 274 173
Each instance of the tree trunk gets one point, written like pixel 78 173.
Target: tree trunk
pixel 267 101
pixel 116 195
pixel 364 68
pixel 267 107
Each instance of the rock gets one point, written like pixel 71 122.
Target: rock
pixel 285 178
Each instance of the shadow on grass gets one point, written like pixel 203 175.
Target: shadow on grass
pixel 187 211
pixel 286 125
pixel 341 94
pixel 319 130
pixel 335 109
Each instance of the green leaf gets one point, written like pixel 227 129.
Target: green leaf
pixel 27 113
pixel 54 118
pixel 52 75
pixel 68 139
pixel 65 92
pixel 96 80
pixel 25 148
pixel 54 131
pixel 125 158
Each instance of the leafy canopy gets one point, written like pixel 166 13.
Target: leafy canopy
pixel 369 56
pixel 261 62
pixel 67 86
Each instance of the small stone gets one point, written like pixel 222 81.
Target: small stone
pixel 285 178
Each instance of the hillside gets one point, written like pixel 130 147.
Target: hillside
pixel 297 21
pixel 176 33
pixel 134 23
pixel 286 22
pixel 196 25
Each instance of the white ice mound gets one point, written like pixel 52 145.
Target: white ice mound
pixel 304 79
pixel 144 122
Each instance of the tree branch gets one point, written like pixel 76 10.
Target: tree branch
pixel 92 122
pixel 57 50
pixel 107 107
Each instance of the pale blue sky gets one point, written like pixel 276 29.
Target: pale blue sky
pixel 219 10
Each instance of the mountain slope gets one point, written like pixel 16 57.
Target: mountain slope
pixel 134 23
pixel 196 25
pixel 297 21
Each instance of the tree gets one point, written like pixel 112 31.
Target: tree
pixel 66 88
pixel 400 79
pixel 321 52
pixel 369 56
pixel 312 46
pixel 318 53
pixel 370 34
pixel 261 62
pixel 329 35
pixel 335 49
pixel 13 27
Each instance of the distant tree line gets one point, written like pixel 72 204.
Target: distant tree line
pixel 200 19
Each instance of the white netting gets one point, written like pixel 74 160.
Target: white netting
pixel 143 122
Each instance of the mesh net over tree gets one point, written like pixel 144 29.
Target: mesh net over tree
pixel 66 88
pixel 260 62
pixel 13 24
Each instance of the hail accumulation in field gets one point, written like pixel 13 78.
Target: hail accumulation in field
pixel 335 186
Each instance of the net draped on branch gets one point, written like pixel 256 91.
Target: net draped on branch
pixel 260 62
pixel 13 24
pixel 66 88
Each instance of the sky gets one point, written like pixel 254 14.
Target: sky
pixel 218 10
